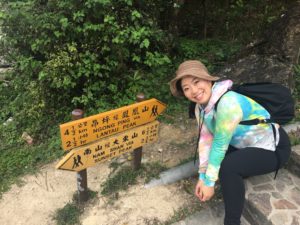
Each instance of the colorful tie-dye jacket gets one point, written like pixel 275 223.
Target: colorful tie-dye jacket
pixel 221 129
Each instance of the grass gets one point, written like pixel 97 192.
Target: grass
pixel 17 160
pixel 180 214
pixel 70 213
pixel 125 177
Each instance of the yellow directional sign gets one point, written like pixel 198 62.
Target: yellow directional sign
pixel 81 158
pixel 86 130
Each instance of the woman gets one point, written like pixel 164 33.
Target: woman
pixel 228 151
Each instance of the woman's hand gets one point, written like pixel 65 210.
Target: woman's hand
pixel 204 193
pixel 198 189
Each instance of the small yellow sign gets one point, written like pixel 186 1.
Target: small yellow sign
pixel 86 130
pixel 81 158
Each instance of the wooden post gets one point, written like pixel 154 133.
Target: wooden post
pixel 81 175
pixel 137 153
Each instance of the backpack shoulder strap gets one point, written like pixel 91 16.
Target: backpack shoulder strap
pixel 216 104
pixel 245 122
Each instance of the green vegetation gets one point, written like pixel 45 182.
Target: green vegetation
pixel 70 213
pixel 97 55
pixel 212 52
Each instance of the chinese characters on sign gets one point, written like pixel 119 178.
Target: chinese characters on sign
pixel 86 130
pixel 110 147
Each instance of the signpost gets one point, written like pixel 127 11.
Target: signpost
pixel 86 130
pixel 86 156
pixel 101 137
pixel 81 176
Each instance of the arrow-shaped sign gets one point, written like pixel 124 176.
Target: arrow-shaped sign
pixel 88 129
pixel 81 158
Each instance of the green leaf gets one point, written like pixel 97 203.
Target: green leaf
pixel 57 34
pixel 64 22
pixel 135 15
pixel 145 43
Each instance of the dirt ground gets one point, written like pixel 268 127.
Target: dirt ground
pixel 40 195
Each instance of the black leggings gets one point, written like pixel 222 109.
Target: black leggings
pixel 246 162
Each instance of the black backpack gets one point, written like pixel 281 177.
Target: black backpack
pixel 274 97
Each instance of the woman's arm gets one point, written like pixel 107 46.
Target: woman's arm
pixel 228 116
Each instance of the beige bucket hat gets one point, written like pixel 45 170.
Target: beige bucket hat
pixel 193 68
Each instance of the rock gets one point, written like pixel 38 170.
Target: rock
pixel 26 137
pixel 283 36
pixel 280 218
pixel 264 187
pixel 272 58
pixel 295 195
pixel 9 120
pixel 259 180
pixel 261 202
pixel 296 221
pixel 284 204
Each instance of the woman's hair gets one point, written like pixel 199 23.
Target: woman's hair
pixel 178 87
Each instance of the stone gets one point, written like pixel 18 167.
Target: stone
pixel 284 204
pixel 280 219
pixel 295 195
pixel 259 179
pixel 276 195
pixel 296 221
pixel 264 187
pixel 283 181
pixel 262 202
pixel 280 186
pixel 293 164
pixel 296 149
pixel 297 153
pixel 285 177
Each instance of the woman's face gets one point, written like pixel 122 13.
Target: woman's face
pixel 196 89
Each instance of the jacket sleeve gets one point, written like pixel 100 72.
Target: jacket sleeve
pixel 204 147
pixel 204 144
pixel 227 118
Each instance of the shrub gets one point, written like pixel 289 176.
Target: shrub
pixel 93 54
